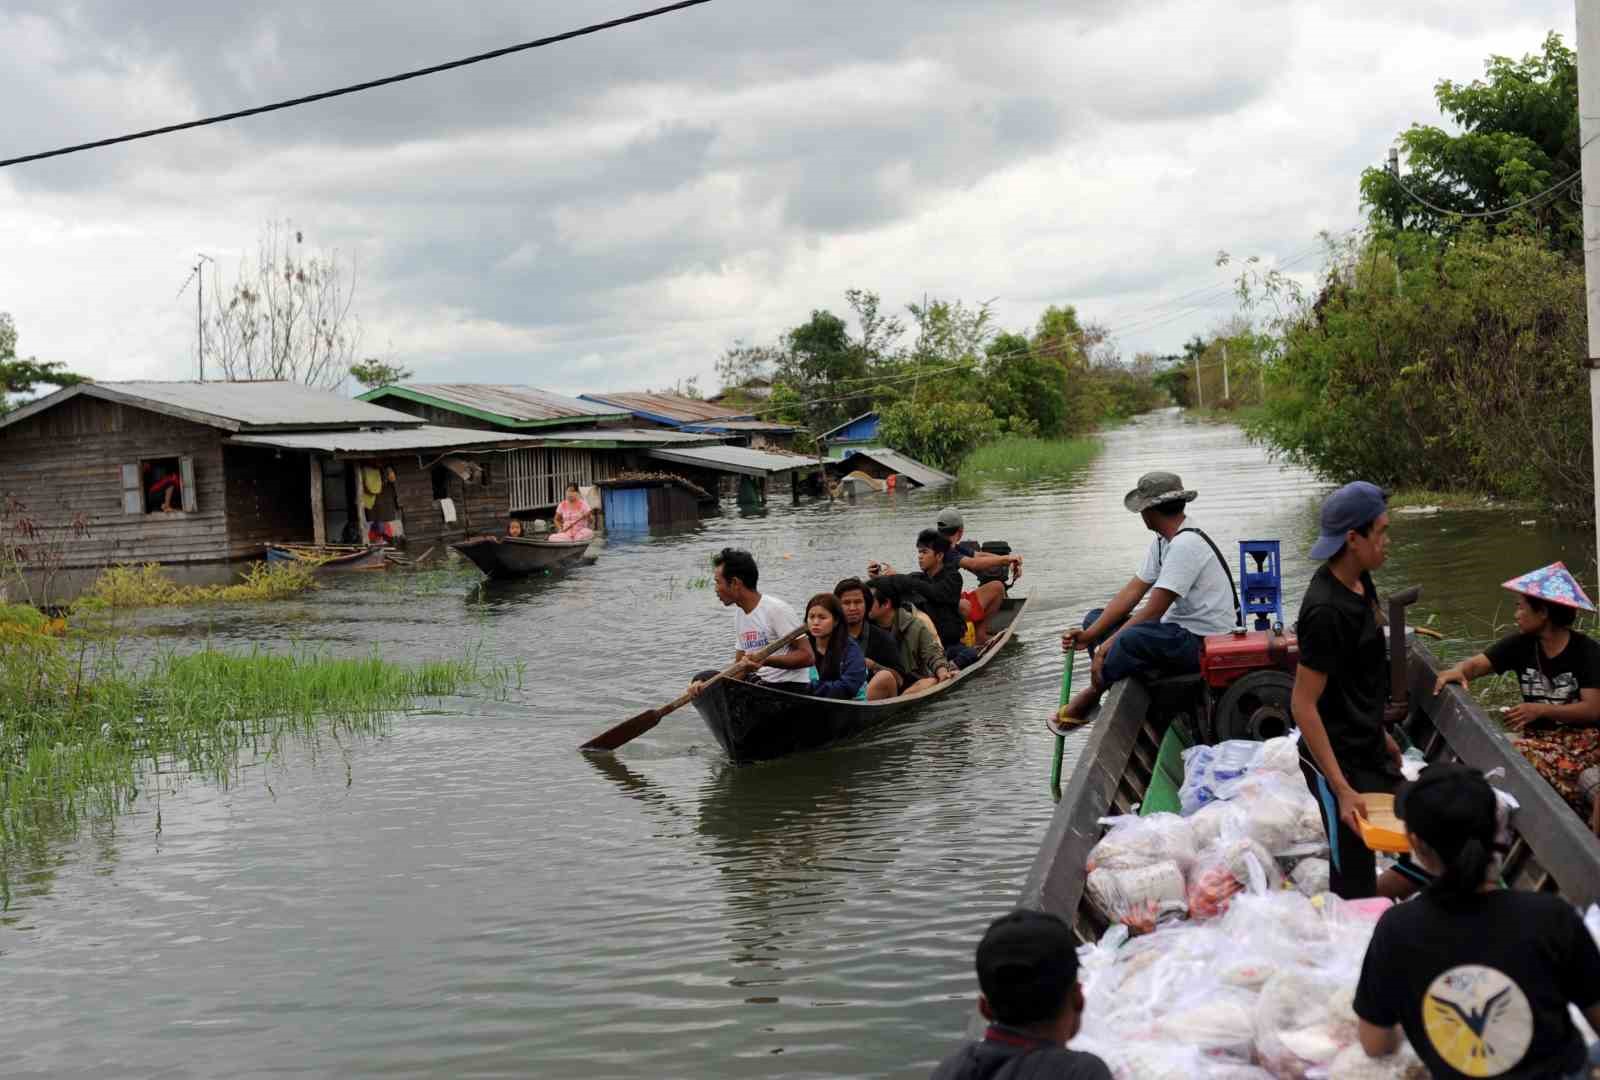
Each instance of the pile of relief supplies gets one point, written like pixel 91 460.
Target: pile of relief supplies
pixel 1227 958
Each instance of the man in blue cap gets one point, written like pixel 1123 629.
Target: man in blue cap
pixel 1340 697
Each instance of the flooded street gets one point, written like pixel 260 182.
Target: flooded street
pixel 468 896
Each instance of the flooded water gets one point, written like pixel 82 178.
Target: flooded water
pixel 468 896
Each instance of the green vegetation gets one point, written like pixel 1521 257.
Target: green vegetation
pixel 1437 352
pixel 82 734
pixel 149 586
pixel 954 385
pixel 21 374
pixel 1024 459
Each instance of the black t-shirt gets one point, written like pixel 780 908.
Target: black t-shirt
pixel 1552 679
pixel 939 596
pixel 1004 1056
pixel 879 647
pixel 1339 636
pixel 1481 984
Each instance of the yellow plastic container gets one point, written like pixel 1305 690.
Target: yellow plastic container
pixel 1381 830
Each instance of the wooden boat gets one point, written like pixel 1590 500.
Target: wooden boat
pixel 519 556
pixel 1554 850
pixel 756 723
pixel 330 557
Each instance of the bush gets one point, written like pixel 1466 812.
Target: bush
pixel 149 586
pixel 940 433
pixel 1470 379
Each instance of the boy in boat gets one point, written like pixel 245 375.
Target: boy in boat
pixel 758 621
pixel 1559 672
pixel 936 587
pixel 991 570
pixel 885 676
pixel 1190 594
pixel 1340 698
pixel 920 655
pixel 1028 974
pixel 1479 977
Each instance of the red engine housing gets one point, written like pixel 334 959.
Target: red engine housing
pixel 1225 657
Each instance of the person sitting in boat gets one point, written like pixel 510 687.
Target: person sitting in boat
pixel 1559 672
pixel 885 676
pixel 1479 977
pixel 1190 594
pixel 1029 992
pixel 758 621
pixel 995 573
pixel 574 517
pixel 839 670
pixel 514 527
pixel 936 587
pixel 921 657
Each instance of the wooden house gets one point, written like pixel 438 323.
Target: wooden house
pixel 679 413
pixel 186 472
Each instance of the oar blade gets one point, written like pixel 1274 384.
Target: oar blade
pixel 624 732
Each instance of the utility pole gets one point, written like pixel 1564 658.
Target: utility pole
pixel 1588 130
pixel 1227 391
pixel 1199 391
pixel 1399 212
pixel 199 313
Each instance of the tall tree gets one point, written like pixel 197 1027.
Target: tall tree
pixel 22 375
pixel 373 373
pixel 1518 136
pixel 287 316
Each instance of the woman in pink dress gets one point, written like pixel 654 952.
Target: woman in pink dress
pixel 573 516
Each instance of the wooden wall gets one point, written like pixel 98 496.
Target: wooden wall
pixel 68 460
pixel 479 508
pixel 268 498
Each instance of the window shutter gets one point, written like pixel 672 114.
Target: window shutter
pixel 132 496
pixel 186 478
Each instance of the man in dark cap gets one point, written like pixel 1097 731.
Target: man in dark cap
pixel 1190 594
pixel 1341 687
pixel 1028 975
pixel 994 572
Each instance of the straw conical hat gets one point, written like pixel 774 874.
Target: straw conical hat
pixel 1553 584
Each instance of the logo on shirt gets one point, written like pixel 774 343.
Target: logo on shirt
pixel 1478 1020
pixel 1537 686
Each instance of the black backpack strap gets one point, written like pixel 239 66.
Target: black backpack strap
pixel 1238 612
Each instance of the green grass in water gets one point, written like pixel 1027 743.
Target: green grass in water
pixel 1023 459
pixel 149 586
pixel 82 736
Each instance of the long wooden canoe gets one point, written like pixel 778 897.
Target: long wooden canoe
pixel 753 722
pixel 519 556
pixel 1554 850
pixel 330 558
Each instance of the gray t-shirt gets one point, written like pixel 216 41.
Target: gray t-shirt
pixel 1189 568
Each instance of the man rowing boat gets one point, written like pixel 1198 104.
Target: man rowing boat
pixel 758 621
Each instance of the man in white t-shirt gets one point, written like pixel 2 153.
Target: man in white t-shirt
pixel 1190 594
pixel 758 621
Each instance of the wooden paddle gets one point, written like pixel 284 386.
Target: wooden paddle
pixel 633 727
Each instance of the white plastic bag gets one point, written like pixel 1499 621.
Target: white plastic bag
pixel 1139 898
pixel 1297 1025
pixel 1133 842
pixel 1210 772
pixel 1311 875
pixel 1352 1063
pixel 1280 755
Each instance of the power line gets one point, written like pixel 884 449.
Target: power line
pixel 494 54
pixel 1557 186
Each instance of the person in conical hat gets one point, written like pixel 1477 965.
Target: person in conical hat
pixel 1558 669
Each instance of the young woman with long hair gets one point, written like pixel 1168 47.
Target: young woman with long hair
pixel 840 670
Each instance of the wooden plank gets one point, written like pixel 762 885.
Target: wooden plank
pixel 319 518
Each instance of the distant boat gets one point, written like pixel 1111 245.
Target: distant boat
pixel 329 557
pixel 519 556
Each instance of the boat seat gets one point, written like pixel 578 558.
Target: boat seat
pixel 1174 690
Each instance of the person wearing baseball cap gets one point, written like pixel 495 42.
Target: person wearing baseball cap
pixel 1341 687
pixel 1028 977
pixel 1190 595
pixel 1479 977
pixel 1558 669
pixel 993 571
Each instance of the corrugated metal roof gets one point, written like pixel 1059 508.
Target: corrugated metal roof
pixel 500 403
pixel 425 437
pixel 602 437
pixel 672 408
pixel 847 423
pixel 737 459
pixel 232 406
pixel 926 475
pixel 742 425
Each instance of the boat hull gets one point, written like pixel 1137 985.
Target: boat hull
pixel 753 722
pixel 1554 851
pixel 329 560
pixel 518 556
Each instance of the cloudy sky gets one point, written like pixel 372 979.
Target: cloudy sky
pixel 611 213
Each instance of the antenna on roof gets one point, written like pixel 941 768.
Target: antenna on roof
pixel 199 306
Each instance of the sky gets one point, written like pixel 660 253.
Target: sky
pixel 614 212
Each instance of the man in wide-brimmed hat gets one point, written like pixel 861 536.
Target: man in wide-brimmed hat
pixel 1190 594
